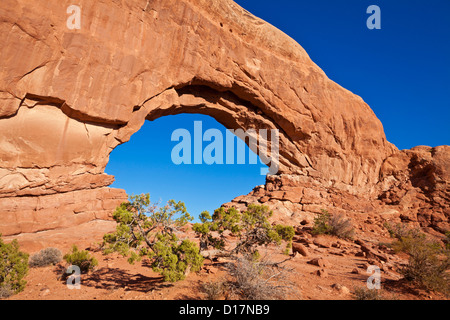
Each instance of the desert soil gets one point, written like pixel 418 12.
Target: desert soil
pixel 344 269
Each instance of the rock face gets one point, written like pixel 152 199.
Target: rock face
pixel 68 97
pixel 413 187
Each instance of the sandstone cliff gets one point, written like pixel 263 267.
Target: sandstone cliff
pixel 69 97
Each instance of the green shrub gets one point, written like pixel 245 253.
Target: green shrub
pixel 45 257
pixel 144 230
pixel 336 224
pixel 287 234
pixel 173 260
pixel 82 259
pixel 252 277
pixel 322 223
pixel 13 268
pixel 252 228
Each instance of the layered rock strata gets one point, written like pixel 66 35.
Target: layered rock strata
pixel 68 97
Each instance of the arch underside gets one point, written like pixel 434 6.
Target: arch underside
pixel 227 109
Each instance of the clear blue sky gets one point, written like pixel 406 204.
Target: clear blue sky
pixel 402 71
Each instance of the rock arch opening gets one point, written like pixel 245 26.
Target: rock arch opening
pixel 233 108
pixel 147 163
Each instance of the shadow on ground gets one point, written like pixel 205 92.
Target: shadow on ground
pixel 114 278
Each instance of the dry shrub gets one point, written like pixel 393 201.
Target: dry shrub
pixel 45 257
pixel 429 262
pixel 341 226
pixel 259 279
pixel 361 293
pixel 336 224
pixel 5 291
pixel 214 290
pixel 428 266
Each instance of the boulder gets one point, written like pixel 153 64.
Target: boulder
pixel 299 248
pixel 319 262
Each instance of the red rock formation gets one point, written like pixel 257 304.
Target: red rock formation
pixel 413 187
pixel 69 97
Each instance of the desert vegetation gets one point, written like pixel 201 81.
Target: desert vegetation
pixel 363 293
pixel 146 230
pixel 333 224
pixel 45 257
pixel 429 261
pixel 81 258
pixel 253 279
pixel 252 229
pixel 13 268
pixel 251 276
pixel 250 256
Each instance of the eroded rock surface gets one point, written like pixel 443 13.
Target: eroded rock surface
pixel 69 97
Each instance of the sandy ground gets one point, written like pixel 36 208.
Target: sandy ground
pixel 115 279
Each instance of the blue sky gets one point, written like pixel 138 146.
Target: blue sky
pixel 402 71
pixel 144 165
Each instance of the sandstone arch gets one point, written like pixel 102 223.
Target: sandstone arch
pixel 68 97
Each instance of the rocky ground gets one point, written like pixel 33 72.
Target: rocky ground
pixel 326 268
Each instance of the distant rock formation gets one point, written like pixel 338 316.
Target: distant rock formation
pixel 68 97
